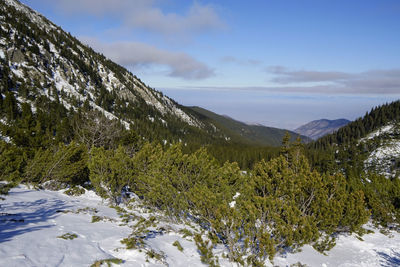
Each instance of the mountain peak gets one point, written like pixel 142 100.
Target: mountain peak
pixel 318 128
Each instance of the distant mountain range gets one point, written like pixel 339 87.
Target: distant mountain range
pixel 319 128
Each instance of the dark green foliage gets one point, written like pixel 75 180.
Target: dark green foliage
pixel 110 171
pixel 10 107
pixel 205 249
pixel 5 187
pixel 283 203
pixel 96 218
pixel 107 261
pixel 178 245
pixel 68 236
pixel 74 191
pixel 132 242
pixel 65 164
pixel 12 162
pixel 302 203
pixel 383 198
pixel 245 155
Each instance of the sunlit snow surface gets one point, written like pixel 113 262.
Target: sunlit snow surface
pixel 31 221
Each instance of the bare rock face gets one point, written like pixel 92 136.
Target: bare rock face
pixel 319 128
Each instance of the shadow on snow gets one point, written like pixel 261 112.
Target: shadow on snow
pixel 38 216
pixel 389 260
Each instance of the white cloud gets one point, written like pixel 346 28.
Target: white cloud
pixel 147 15
pixel 138 54
pixel 368 82
pixel 286 76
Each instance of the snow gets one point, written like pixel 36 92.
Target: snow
pixel 164 122
pixel 383 130
pixel 381 158
pixel 53 49
pixel 233 203
pixel 31 222
pixel 375 250
pixel 32 14
pixel 2 55
pixel 384 156
pixel 236 195
pixel 18 72
pixel 6 139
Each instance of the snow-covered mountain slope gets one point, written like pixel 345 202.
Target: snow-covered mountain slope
pixel 385 155
pixel 37 54
pixel 49 228
pixel 319 128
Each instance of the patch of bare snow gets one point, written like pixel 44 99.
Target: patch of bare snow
pixel 17 71
pixel 383 130
pixel 383 157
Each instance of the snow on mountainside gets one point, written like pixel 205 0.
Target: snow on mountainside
pixel 385 157
pixel 49 228
pixel 39 53
pixel 319 128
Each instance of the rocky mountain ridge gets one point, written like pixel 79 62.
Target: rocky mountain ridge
pixel 318 128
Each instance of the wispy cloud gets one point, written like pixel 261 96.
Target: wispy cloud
pixel 132 54
pixel 285 76
pixel 367 82
pixel 147 15
pixel 239 61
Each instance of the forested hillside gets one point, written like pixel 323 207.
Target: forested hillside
pixel 244 133
pixel 376 118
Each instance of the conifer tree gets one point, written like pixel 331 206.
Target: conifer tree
pixel 10 106
pixel 110 171
pixel 66 164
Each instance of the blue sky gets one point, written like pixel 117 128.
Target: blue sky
pixel 280 63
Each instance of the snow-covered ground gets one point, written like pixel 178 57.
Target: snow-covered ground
pixel 386 155
pixel 32 222
pixel 375 250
